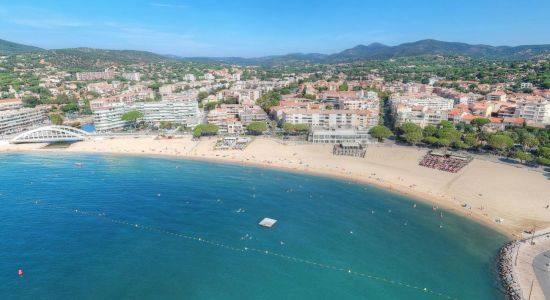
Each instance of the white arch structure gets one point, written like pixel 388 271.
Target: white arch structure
pixel 50 134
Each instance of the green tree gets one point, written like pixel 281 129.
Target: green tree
pixel 380 132
pixel 544 152
pixel 528 141
pixel 460 145
pixel 522 156
pixel 205 129
pixel 446 124
pixel 480 122
pixel 411 133
pixel 56 119
pixel 268 100
pixel 70 107
pixel 210 105
pixel 132 117
pixel 543 161
pixel 202 95
pixel 343 87
pixel 443 142
pixel 448 133
pixel 430 130
pixel 431 140
pixel 31 101
pixel 500 141
pixel 256 128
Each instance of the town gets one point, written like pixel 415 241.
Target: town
pixel 326 107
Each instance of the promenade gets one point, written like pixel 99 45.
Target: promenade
pixel 532 269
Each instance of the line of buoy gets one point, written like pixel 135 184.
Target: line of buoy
pixel 104 216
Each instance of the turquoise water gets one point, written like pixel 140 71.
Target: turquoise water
pixel 72 229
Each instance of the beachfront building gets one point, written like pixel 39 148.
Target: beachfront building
pixel 340 135
pixel 421 110
pixel 534 112
pixel 419 115
pixel 108 114
pixel 330 118
pixel 18 120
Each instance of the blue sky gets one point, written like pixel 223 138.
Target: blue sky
pixel 265 27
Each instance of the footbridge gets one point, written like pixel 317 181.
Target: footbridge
pixel 51 134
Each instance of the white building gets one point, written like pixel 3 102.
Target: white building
pixel 108 115
pixel 14 121
pixel 419 115
pixel 537 112
pixel 341 135
pixel 132 76
pixel 431 102
pixel 331 118
pixel 526 85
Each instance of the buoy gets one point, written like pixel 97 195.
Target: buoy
pixel 20 272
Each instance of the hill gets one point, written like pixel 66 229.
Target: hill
pixel 10 48
pixel 90 58
pixel 434 47
pixel 380 51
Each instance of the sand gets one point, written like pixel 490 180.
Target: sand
pixel 491 190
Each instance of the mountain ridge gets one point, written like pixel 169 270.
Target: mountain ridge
pixel 373 51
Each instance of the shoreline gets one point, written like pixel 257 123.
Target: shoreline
pixel 266 158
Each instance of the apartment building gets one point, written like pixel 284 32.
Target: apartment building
pixel 18 120
pixel 9 104
pixel 331 118
pixel 107 113
pixel 534 112
pixel 419 115
pixel 249 114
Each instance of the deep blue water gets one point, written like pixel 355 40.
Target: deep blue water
pixel 64 225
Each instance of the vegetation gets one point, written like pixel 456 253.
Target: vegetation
pixel 296 128
pixel 411 133
pixel 256 128
pixel 380 132
pixel 56 119
pixel 132 117
pixel 205 130
pixel 268 100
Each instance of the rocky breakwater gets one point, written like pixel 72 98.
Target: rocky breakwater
pixel 506 272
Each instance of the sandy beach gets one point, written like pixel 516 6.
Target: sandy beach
pixel 490 190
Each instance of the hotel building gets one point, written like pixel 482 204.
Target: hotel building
pixel 14 121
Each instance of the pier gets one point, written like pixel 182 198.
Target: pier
pixel 524 267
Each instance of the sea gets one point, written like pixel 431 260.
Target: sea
pixel 123 227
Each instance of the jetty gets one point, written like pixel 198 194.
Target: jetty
pixel 524 268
